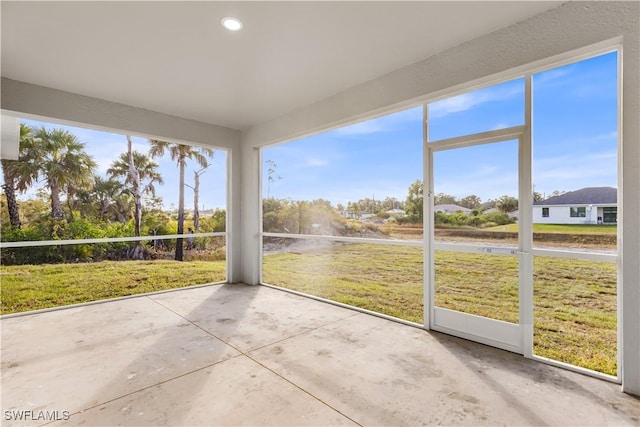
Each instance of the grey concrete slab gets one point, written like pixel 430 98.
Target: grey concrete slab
pixel 383 373
pixel 237 391
pixel 73 359
pixel 155 360
pixel 249 317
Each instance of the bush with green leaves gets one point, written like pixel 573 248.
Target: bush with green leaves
pixel 461 220
pixel 299 216
pixel 28 255
pixel 500 218
pixel 50 229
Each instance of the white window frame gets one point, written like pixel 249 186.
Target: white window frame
pixel 525 159
pixel 526 249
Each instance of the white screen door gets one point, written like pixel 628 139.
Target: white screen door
pixel 478 257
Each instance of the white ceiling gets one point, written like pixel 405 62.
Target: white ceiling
pixel 175 58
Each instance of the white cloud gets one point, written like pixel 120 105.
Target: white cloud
pixel 608 155
pixel 606 136
pixel 572 172
pixel 411 115
pixel 383 123
pixel 362 128
pixel 455 104
pixel 106 151
pixel 467 101
pixel 315 162
pixel 552 76
pixel 105 147
pixel 486 181
pixel 499 126
pixel 487 187
pixel 356 190
pixel 585 140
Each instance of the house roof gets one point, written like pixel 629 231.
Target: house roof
pixel 450 208
pixel 583 196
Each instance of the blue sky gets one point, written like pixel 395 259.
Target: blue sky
pixel 575 146
pixel 575 143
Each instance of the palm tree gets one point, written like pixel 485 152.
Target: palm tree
pixel 180 153
pixel 19 174
pixel 507 203
pixel 196 194
pixel 140 173
pixel 113 199
pixel 63 163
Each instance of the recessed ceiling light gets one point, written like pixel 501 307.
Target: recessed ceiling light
pixel 232 24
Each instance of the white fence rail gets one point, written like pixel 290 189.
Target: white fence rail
pixel 457 247
pixel 33 243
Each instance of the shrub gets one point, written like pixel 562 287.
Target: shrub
pixel 28 255
pixel 500 218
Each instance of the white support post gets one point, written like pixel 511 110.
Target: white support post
pixel 10 139
pixel 428 287
pixel 525 221
pixel 250 215
pixel 629 212
pixel 260 214
pixel 234 224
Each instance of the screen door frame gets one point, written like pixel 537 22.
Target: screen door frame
pixel 518 337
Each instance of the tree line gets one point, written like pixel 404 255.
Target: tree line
pixel 289 216
pixel 414 203
pixel 84 204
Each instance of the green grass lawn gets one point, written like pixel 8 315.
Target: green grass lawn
pixel 561 228
pixel 375 277
pixel 479 284
pixel 574 301
pixel 32 287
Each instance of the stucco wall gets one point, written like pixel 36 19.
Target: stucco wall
pixel 72 108
pixel 561 215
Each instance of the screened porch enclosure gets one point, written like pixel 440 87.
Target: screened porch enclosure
pixel 377 238
pixel 458 251
pixel 100 215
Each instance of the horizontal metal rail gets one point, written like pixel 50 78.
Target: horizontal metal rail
pixel 499 135
pixel 33 243
pixel 473 248
pixel 457 247
pixel 396 242
pixel 587 256
pixel 506 250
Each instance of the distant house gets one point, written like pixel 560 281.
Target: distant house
pixel 397 212
pixel 591 205
pixel 347 214
pixel 351 214
pixel 451 209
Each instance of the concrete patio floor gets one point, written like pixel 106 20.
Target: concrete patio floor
pixel 253 355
